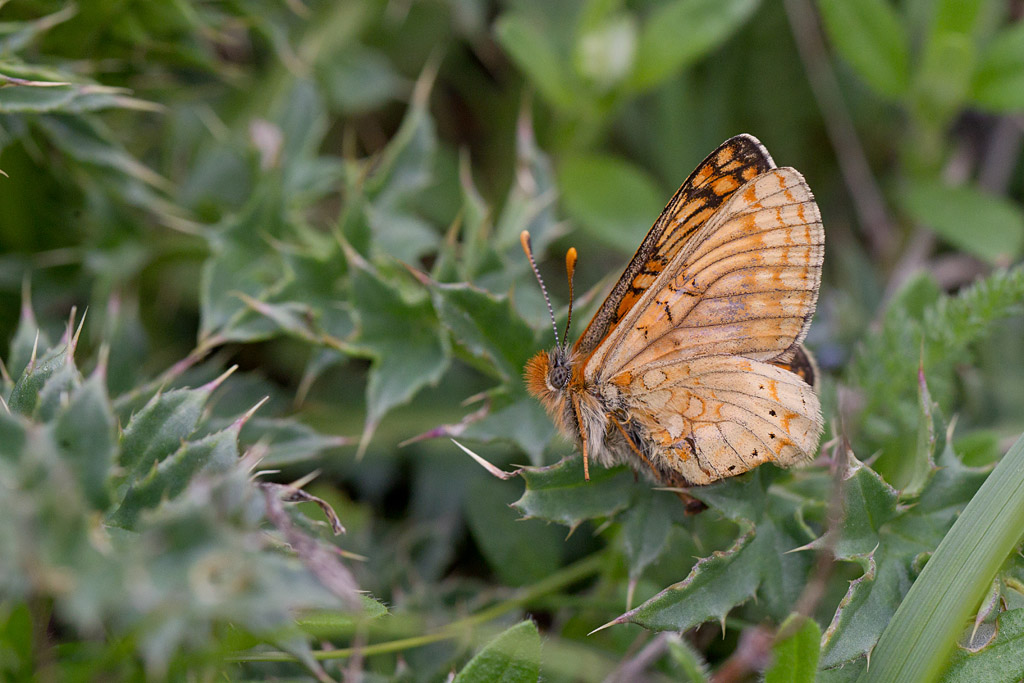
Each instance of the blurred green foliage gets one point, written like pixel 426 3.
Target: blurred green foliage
pixel 328 195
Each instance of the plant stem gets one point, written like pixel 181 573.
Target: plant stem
pixel 560 579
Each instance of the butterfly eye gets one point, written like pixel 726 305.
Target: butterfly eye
pixel 558 378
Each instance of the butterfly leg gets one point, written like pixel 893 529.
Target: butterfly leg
pixel 693 506
pixel 583 435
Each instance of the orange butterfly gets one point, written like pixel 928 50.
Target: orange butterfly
pixel 693 366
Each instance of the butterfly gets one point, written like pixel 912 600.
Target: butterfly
pixel 693 368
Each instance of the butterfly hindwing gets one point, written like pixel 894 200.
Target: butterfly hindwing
pixel 719 416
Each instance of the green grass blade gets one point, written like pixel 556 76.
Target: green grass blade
pixel 916 644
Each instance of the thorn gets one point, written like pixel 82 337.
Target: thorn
pixel 420 276
pixel 435 433
pixel 254 456
pixel 349 555
pixel 604 525
pixel 353 257
pixel 721 623
pixel 305 479
pixel 813 545
pixel 490 467
pixel 35 348
pixel 369 427
pixel 613 622
pixel 213 384
pixel 475 398
pixel 66 339
pixel 630 591
pixel 240 422
pixel 78 330
pixel 261 473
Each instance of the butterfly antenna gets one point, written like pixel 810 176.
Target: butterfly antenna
pixel 570 269
pixel 524 239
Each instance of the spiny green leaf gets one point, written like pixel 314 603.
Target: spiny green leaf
pixel 38 391
pixel 886 364
pixel 499 340
pixel 890 542
pixel 951 485
pixel 405 166
pixel 27 337
pixel 1002 660
pixel 759 556
pixel 916 643
pixel 38 97
pixel 88 141
pixel 868 504
pixel 84 432
pixel 559 493
pixel 288 441
pixel 715 585
pixel 516 418
pixel 512 657
pixel 475 227
pixel 20 34
pixel 402 339
pixel 242 264
pixel 863 612
pixel 519 551
pixel 159 429
pixel 923 461
pixel 12 435
pixel 742 498
pixel 217 452
pixel 645 527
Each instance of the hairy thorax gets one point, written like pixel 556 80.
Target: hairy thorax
pixel 580 408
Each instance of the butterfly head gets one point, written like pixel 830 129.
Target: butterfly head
pixel 547 377
pixel 548 373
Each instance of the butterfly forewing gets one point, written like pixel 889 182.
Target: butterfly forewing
pixel 725 170
pixel 746 284
pixel 691 362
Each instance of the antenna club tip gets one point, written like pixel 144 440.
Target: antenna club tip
pixel 570 259
pixel 524 239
